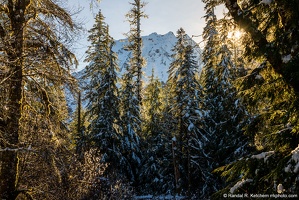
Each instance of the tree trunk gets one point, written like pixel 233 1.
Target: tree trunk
pixel 175 166
pixel 9 158
pixel 139 55
pixel 9 165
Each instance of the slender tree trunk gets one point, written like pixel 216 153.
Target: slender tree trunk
pixel 139 58
pixel 9 162
pixel 80 147
pixel 175 166
pixel 189 164
pixel 79 114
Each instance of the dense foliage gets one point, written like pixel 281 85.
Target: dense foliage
pixel 225 128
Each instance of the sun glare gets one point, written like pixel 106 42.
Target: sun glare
pixel 238 34
pixel 235 34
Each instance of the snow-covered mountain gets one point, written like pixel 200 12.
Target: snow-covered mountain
pixel 157 51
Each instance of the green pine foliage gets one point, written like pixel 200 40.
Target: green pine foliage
pixel 102 111
pixel 131 98
pixel 156 173
pixel 134 17
pixel 224 116
pixel 272 133
pixel 273 33
pixel 231 129
pixel 130 127
pixel 270 93
pixel 152 107
pixel 185 108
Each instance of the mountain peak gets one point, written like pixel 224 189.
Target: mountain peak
pixel 157 51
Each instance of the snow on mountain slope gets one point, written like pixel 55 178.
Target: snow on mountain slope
pixel 157 51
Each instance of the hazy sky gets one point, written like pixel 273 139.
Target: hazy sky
pixel 163 16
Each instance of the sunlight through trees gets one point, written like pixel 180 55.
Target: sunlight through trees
pixel 225 122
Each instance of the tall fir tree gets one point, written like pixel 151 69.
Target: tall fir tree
pixel 156 171
pixel 225 116
pixel 131 90
pixel 178 57
pixel 134 17
pixel 130 126
pixel 102 95
pixel 186 94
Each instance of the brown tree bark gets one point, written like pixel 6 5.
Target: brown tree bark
pixel 9 160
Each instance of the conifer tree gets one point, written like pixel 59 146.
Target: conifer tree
pixel 135 44
pixel 225 116
pixel 270 161
pixel 130 127
pixel 102 94
pixel 37 65
pixel 186 95
pixel 271 27
pixel 175 113
pixel 156 171
pixel 267 89
pixel 173 76
pixel 131 94
pixel 152 107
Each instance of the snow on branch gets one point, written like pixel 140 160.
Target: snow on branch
pixel 263 155
pixel 17 149
pixel 294 160
pixel 239 184
pixel 266 2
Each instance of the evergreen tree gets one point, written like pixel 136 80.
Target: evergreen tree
pixel 135 45
pixel 271 135
pixel 131 94
pixel 208 75
pixel 186 95
pixel 152 107
pixel 37 66
pixel 271 27
pixel 156 171
pixel 225 116
pixel 270 90
pixel 102 94
pixel 130 125
pixel 178 57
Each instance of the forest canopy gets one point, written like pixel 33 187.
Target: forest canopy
pixel 226 124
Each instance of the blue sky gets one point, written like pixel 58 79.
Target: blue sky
pixel 163 16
